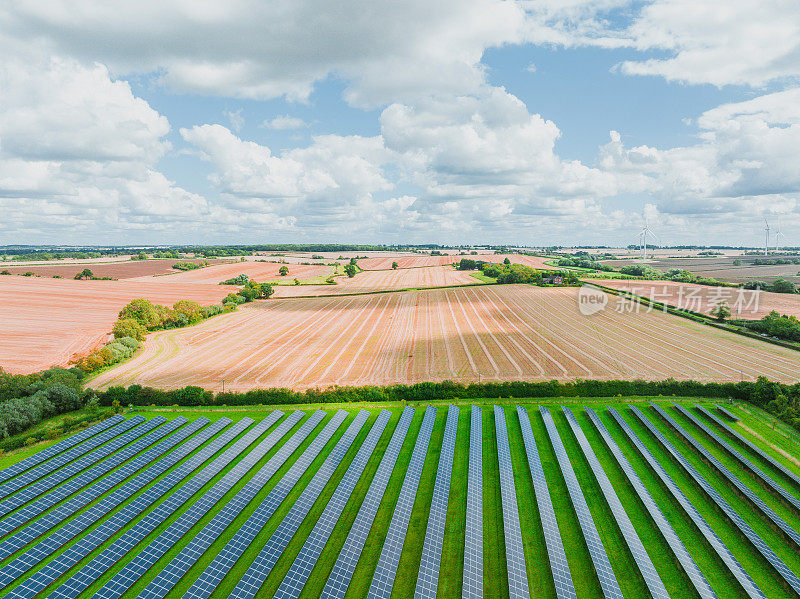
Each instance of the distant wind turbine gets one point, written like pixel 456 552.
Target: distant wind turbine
pixel 643 239
pixel 766 238
pixel 778 235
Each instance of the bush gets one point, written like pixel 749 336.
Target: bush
pixel 129 328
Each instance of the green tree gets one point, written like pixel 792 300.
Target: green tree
pixel 141 256
pixel 507 261
pixel 721 311
pixel 395 265
pixel 783 286
pixel 737 262
pixel 84 274
pixel 129 327
pixel 350 270
pixel 283 271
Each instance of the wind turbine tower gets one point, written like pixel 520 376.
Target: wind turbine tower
pixel 643 239
pixel 766 238
pixel 778 235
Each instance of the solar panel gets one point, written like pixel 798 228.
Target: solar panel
pixel 760 474
pixel 61 513
pixel 782 569
pixel 133 537
pixel 726 413
pixel 597 552
pixel 472 582
pixel 303 564
pixel 651 578
pixel 515 554
pixel 62 459
pixel 46 454
pixel 44 577
pixel 428 574
pixel 730 476
pixel 257 573
pixel 101 471
pixel 233 550
pixel 340 576
pixel 53 480
pixel 752 446
pixel 386 569
pixel 562 578
pixel 741 575
pixel 688 564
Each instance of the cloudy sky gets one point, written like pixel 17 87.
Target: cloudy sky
pixel 454 121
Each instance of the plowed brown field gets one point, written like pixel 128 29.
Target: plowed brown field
pixel 702 298
pixel 45 322
pixel 421 261
pixel 116 270
pixel 382 280
pixel 261 271
pixel 480 333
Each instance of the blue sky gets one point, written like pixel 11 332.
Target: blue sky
pixel 458 122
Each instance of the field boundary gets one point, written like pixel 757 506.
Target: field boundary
pixel 698 317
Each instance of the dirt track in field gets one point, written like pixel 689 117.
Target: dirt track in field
pixel 482 333
pixel 45 322
pixel 371 281
pixel 260 271
pixel 702 298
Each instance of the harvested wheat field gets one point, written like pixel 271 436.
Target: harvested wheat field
pixel 702 298
pixel 261 271
pixel 116 270
pixel 421 261
pixel 481 333
pixel 45 322
pixel 371 281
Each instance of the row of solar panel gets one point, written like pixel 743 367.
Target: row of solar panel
pixel 383 579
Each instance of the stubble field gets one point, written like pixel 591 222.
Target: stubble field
pixel 482 333
pixel 45 322
pixel 702 298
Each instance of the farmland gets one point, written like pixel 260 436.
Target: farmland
pixel 422 261
pixel 372 281
pixel 261 271
pixel 267 487
pixel 702 298
pixel 47 321
pixel 116 270
pixel 479 333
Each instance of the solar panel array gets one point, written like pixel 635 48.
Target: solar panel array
pixel 342 572
pixel 732 478
pixel 44 577
pixel 472 584
pixel 562 578
pixel 428 575
pixel 53 480
pixel 46 454
pixel 250 583
pixel 158 546
pixel 515 554
pixel 651 578
pixel 752 446
pixel 674 542
pixel 62 459
pixel 727 413
pixel 733 565
pixel 304 563
pixel 751 535
pixel 101 481
pixel 100 471
pixel 386 569
pixel 63 512
pixel 760 474
pixel 233 550
pixel 597 552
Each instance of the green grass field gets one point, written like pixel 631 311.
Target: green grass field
pixel 774 438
